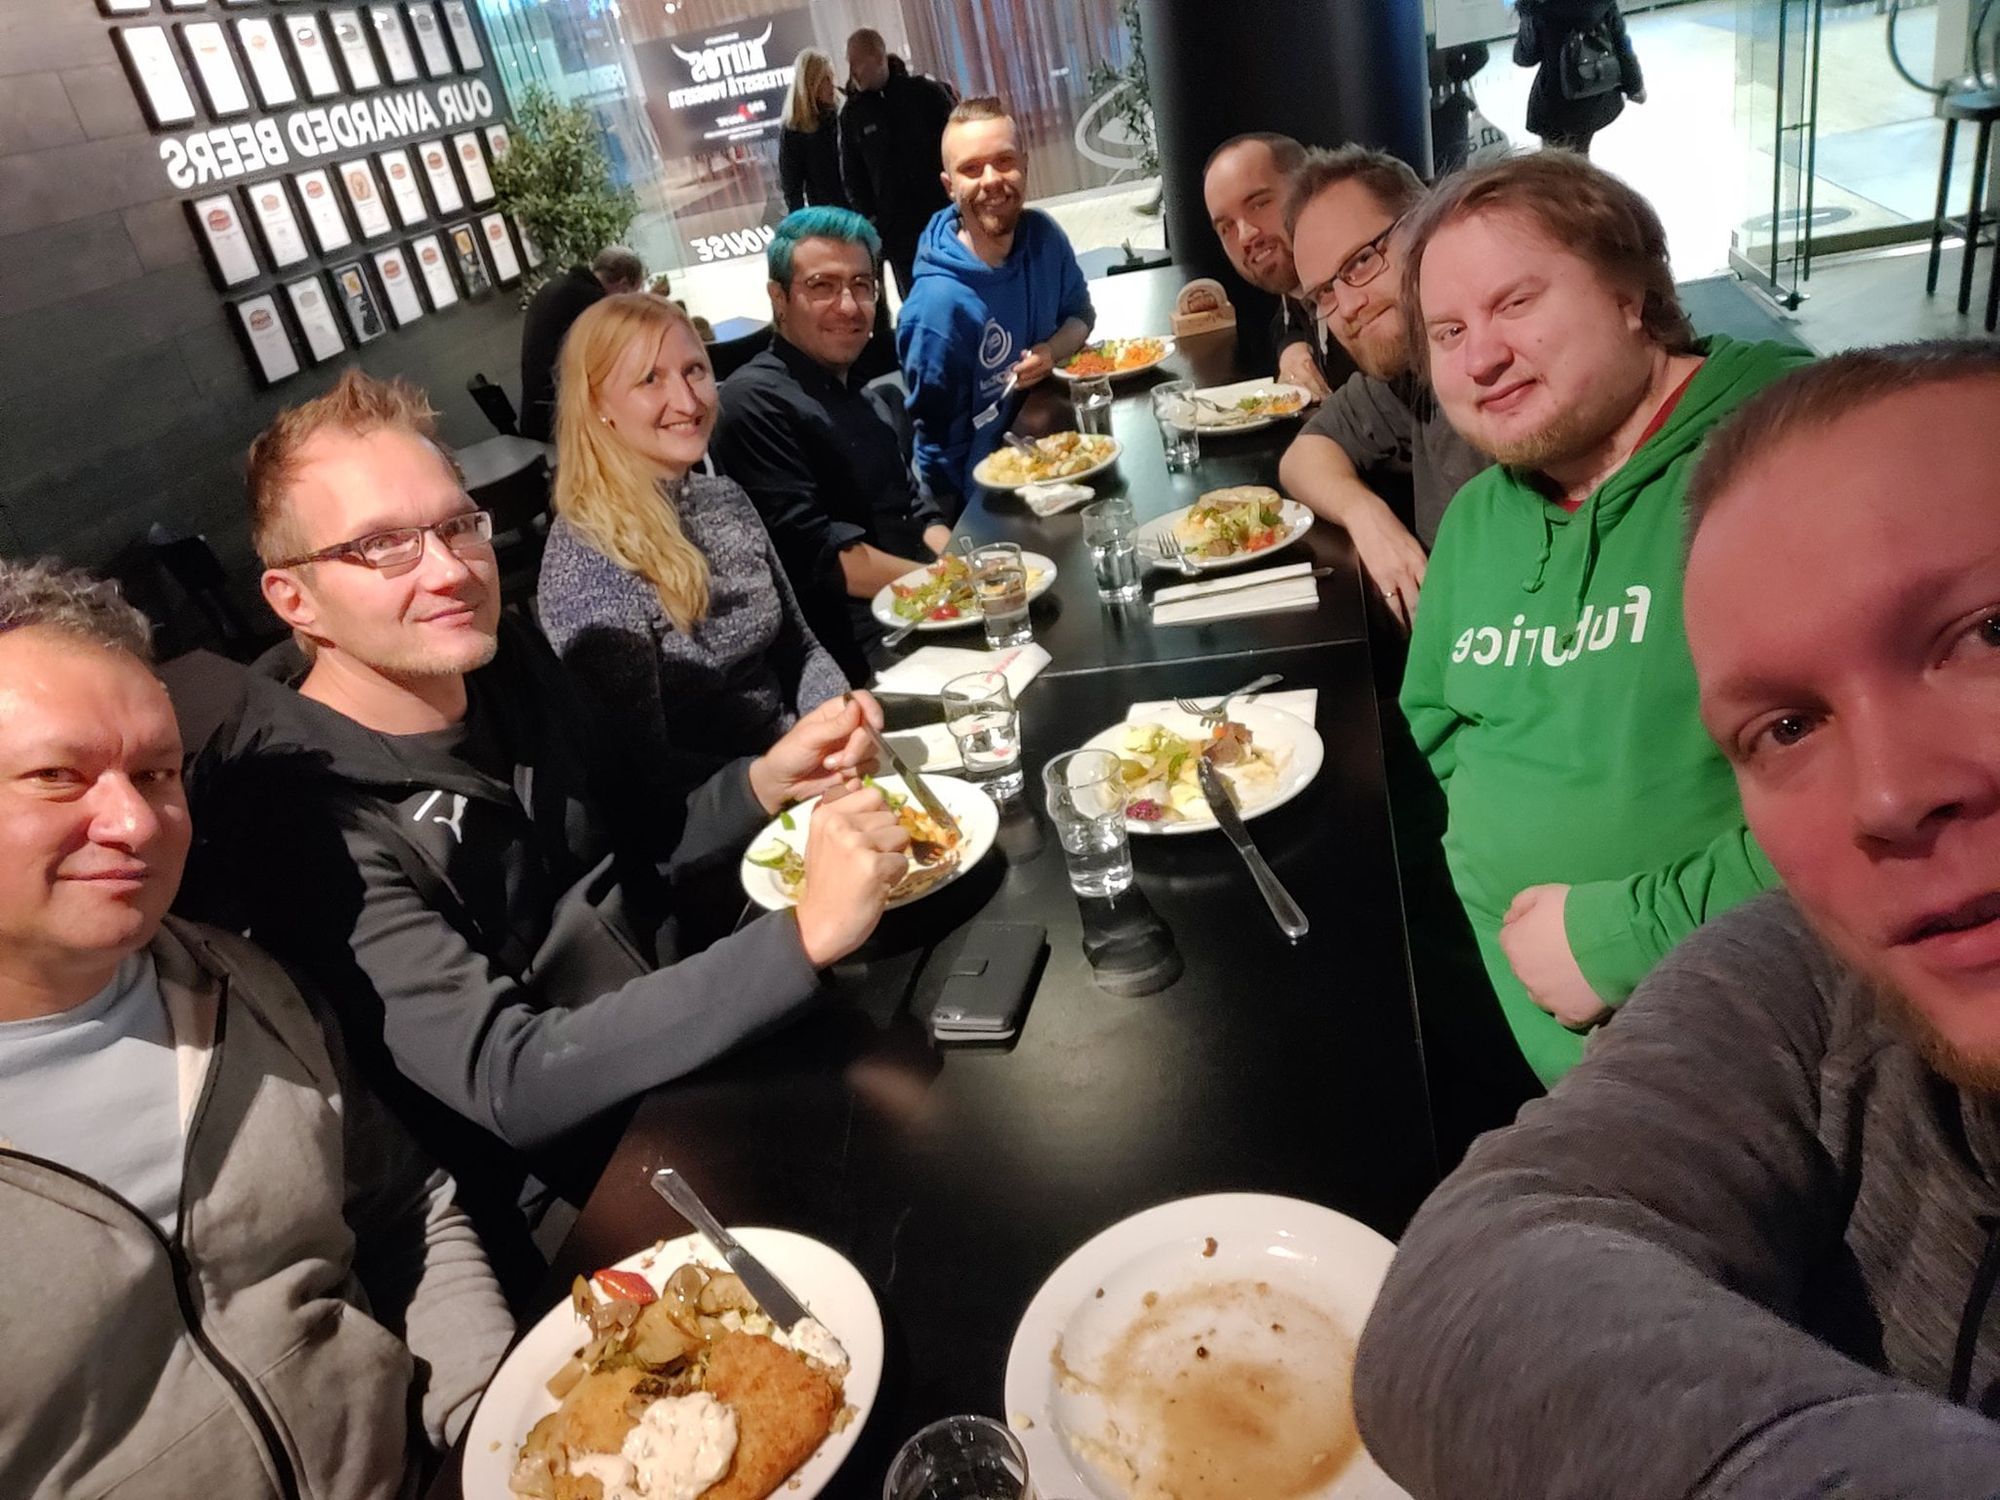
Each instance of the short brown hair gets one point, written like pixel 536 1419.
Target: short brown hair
pixel 357 405
pixel 1577 205
pixel 980 107
pixel 1286 152
pixel 1390 180
pixel 1817 397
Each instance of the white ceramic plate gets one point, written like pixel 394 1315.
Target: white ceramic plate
pixel 983 468
pixel 832 1290
pixel 1166 353
pixel 1296 743
pixel 883 605
pixel 1298 521
pixel 978 823
pixel 1228 395
pixel 1203 1261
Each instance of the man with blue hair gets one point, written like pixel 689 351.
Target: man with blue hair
pixel 825 459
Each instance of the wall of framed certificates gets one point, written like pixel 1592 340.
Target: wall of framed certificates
pixel 336 162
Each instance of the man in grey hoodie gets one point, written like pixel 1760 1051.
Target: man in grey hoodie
pixel 228 1273
pixel 1750 1246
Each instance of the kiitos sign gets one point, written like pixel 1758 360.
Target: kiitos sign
pixel 229 151
pixel 727 67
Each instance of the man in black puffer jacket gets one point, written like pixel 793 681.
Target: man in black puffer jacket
pixel 890 130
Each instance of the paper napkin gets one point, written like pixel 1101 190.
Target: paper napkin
pixel 925 671
pixel 1277 589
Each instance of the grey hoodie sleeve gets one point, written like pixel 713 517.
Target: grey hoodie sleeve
pixel 1596 1303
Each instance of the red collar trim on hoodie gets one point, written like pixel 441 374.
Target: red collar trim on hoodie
pixel 1659 420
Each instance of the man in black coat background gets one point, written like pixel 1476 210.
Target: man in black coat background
pixel 550 313
pixel 890 130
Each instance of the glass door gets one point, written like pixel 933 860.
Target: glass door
pixel 1777 103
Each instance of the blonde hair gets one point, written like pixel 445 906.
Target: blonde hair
pixel 606 490
pixel 802 102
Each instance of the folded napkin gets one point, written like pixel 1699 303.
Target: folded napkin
pixel 1225 597
pixel 928 747
pixel 1301 703
pixel 1055 497
pixel 925 671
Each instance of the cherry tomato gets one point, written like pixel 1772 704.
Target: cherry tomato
pixel 945 612
pixel 628 1286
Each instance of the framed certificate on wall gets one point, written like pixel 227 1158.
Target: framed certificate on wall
pixel 259 40
pixel 443 181
pixel 472 163
pixel 364 197
pixel 464 40
pixel 314 311
pixel 398 285
pixel 225 242
pixel 530 251
pixel 184 4
pixel 357 302
pixel 270 346
pixel 500 248
pixel 272 209
pixel 497 141
pixel 395 43
pixel 329 225
pixel 156 77
pixel 403 189
pixel 430 38
pixel 351 42
pixel 428 251
pixel 124 7
pixel 466 257
pixel 215 69
pixel 314 58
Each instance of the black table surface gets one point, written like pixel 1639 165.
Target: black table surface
pixel 957 1180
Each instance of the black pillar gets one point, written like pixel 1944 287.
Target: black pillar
pixel 1329 72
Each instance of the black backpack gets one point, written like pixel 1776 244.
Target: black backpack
pixel 1587 66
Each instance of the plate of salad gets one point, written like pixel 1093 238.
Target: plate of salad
pixel 774 872
pixel 1247 406
pixel 1115 357
pixel 1269 757
pixel 939 596
pixel 1226 527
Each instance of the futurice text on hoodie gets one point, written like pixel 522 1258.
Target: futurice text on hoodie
pixel 964 326
pixel 1550 689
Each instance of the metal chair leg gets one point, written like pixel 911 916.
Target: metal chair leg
pixel 1944 194
pixel 1973 214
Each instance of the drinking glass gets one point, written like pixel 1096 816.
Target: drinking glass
pixel 980 713
pixel 1092 399
pixel 1109 530
pixel 959 1458
pixel 1173 407
pixel 1000 579
pixel 1087 804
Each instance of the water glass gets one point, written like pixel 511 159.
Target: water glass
pixel 959 1458
pixel 1092 399
pixel 1000 581
pixel 1087 804
pixel 980 713
pixel 1110 531
pixel 1173 407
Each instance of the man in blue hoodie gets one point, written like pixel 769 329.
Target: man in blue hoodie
pixel 998 293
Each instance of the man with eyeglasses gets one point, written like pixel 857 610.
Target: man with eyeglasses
pixel 425 822
pixel 1379 457
pixel 826 459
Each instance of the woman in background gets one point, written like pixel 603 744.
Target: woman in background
pixel 659 587
pixel 1588 68
pixel 809 144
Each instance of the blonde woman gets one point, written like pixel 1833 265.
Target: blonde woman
pixel 809 144
pixel 659 586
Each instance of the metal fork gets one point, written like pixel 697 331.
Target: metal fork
pixel 1219 711
pixel 1173 554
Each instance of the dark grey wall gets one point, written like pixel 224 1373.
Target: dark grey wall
pixel 125 395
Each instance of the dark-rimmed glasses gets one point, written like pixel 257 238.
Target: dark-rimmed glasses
pixel 1360 268
pixel 400 549
pixel 824 290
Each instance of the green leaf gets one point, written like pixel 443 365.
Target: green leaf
pixel 555 180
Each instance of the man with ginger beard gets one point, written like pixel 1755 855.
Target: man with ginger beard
pixel 999 296
pixel 1382 436
pixel 1750 1247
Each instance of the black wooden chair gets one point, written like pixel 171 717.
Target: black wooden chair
pixel 730 355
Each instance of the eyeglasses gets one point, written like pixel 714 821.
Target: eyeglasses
pixel 401 549
pixel 824 291
pixel 1360 268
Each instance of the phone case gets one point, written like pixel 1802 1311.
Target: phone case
pixel 985 982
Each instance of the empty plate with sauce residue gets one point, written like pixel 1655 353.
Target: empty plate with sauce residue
pixel 1203 1349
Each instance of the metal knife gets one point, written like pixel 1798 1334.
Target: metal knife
pixel 1222 802
pixel 911 779
pixel 779 1305
pixel 1247 583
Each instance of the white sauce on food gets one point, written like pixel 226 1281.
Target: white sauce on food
pixel 680 1447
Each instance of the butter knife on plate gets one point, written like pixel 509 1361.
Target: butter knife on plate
pixel 772 1295
pixel 918 789
pixel 1222 802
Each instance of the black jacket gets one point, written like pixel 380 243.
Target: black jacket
pixel 889 155
pixel 809 165
pixel 1545 26
pixel 512 937
pixel 550 312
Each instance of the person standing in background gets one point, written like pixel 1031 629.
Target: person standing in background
pixel 551 310
pixel 1588 69
pixel 891 135
pixel 809 142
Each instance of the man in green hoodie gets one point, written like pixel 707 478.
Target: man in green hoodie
pixel 1591 824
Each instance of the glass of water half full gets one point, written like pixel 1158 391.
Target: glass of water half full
pixel 980 713
pixel 1000 583
pixel 1092 399
pixel 1110 531
pixel 1086 797
pixel 1173 408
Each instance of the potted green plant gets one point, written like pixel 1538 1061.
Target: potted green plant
pixel 556 182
